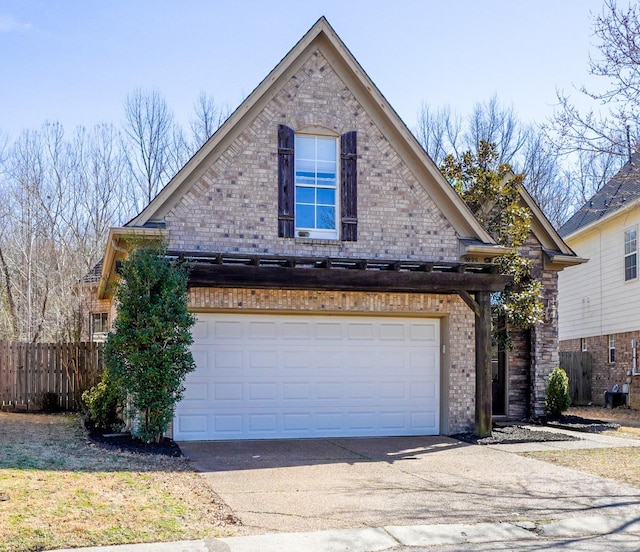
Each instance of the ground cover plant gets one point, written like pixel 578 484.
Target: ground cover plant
pixel 57 490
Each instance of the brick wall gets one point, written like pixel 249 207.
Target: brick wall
pixel 233 206
pixel 606 374
pixel 458 362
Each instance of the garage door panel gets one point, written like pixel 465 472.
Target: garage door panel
pixel 227 425
pixel 423 332
pixel 226 362
pixel 227 330
pixel 200 330
pixel 270 376
pixel 262 330
pixel 261 360
pixel 293 391
pixel 263 423
pixel 423 390
pixel 197 391
pixel 194 425
pixel 231 391
pixel 296 330
pixel 328 331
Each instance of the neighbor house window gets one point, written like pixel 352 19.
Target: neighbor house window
pixel 612 348
pixel 630 254
pixel 316 180
pixel 99 326
pixel 583 344
pixel 317 185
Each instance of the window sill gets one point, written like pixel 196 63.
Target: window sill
pixel 318 241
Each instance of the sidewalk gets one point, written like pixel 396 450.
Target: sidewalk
pixel 383 538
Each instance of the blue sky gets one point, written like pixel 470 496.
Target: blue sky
pixel 74 61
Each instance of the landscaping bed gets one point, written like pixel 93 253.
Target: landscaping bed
pixel 591 419
pixel 511 434
pixel 126 443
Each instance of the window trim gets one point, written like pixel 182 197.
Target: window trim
pixel 332 234
pixel 583 344
pixel 611 357
pixel 101 335
pixel 632 254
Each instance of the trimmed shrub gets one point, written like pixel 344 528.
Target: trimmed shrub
pixel 557 399
pixel 103 403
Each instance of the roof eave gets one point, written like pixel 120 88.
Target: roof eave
pixel 606 218
pixel 115 250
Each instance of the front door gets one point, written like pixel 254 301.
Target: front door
pixel 499 376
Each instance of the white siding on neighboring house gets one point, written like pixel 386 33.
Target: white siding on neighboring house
pixel 594 298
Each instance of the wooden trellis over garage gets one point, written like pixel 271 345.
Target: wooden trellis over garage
pixel 473 282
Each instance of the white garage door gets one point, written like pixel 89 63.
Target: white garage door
pixel 290 376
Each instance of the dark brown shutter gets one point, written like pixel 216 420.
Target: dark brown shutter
pixel 286 185
pixel 349 186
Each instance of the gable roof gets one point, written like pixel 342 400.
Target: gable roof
pixel 554 247
pixel 622 191
pixel 322 37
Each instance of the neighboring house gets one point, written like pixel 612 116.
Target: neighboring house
pixel 342 287
pixel 600 301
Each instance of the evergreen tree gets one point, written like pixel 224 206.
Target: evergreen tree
pixel 147 353
pixel 492 192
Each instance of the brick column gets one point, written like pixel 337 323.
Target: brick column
pixel 544 344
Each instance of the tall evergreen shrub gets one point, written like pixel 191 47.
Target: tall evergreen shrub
pixel 147 353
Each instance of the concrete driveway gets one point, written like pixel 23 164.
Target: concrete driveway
pixel 315 485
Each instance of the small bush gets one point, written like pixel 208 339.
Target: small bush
pixel 50 402
pixel 557 399
pixel 104 404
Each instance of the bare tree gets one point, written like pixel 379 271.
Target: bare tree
pixel 439 132
pixel 610 127
pixel 148 125
pixel 499 125
pixel 525 147
pixel 208 116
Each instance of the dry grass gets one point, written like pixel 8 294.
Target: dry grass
pixel 620 464
pixel 58 491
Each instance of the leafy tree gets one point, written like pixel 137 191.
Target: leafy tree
pixel 492 192
pixel 147 353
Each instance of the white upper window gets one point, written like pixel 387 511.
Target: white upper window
pixel 630 254
pixel 316 179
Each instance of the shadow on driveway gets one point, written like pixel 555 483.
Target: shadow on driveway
pixel 321 484
pixel 215 456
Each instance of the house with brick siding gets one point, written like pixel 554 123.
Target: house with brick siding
pixel 599 302
pixel 341 286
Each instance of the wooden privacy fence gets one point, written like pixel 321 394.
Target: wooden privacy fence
pixel 34 376
pixel 577 365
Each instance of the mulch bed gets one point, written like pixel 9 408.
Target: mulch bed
pixel 577 423
pixel 125 442
pixel 511 434
pixel 514 434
